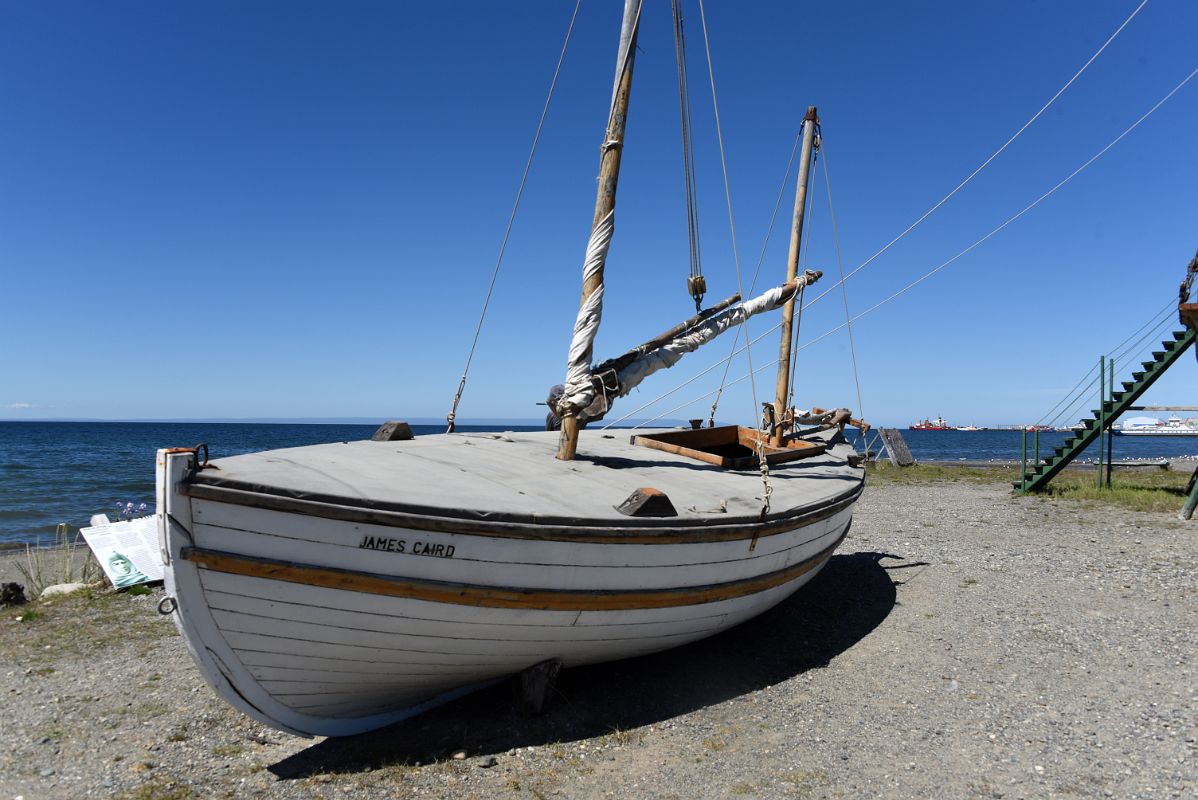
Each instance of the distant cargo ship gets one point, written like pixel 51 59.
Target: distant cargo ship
pixel 968 428
pixel 938 424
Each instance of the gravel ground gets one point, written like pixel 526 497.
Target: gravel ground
pixel 964 643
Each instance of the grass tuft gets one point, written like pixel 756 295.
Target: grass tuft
pixel 1156 491
pixel 1141 490
pixel 160 789
pixel 68 560
pixel 883 472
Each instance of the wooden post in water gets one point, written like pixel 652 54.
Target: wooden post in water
pixel 609 174
pixel 792 272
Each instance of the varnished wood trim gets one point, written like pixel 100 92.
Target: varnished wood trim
pixel 648 530
pixel 495 596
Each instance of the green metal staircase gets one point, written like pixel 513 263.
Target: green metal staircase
pixel 1091 427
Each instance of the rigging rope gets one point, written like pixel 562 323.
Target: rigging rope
pixel 911 285
pixel 457 398
pixel 715 104
pixel 1079 399
pixel 808 219
pixel 1011 219
pixel 696 284
pixel 993 232
pixel 993 156
pixel 1154 321
pixel 848 320
pixel 756 272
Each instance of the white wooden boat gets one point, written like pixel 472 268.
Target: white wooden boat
pixel 337 588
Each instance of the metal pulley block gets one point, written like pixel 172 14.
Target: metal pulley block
pixel 697 286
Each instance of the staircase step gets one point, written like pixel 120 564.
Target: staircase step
pixel 1179 335
pixel 1157 355
pixel 1137 376
pixel 1129 385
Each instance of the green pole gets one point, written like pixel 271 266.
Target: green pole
pixel 1101 413
pixel 1187 511
pixel 1023 469
pixel 1110 435
pixel 1036 439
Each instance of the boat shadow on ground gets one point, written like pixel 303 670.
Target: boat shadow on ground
pixel 850 597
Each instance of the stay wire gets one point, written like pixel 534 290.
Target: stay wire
pixel 1165 321
pixel 688 161
pixel 715 104
pixel 922 218
pixel 1074 396
pixel 993 156
pixel 1011 219
pixel 996 230
pixel 848 319
pixel 808 219
pixel 457 398
pixel 756 272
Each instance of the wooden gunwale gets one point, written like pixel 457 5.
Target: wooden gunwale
pixel 648 531
pixel 495 596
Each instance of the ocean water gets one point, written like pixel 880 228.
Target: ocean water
pixel 52 472
pixel 1007 446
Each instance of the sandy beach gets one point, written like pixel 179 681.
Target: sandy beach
pixel 963 643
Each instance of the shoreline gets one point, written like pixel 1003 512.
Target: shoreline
pixel 1187 465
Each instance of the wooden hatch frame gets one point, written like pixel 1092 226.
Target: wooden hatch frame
pixel 728 446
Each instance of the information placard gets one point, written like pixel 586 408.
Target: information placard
pixel 127 550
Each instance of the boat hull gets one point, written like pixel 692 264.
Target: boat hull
pixel 321 625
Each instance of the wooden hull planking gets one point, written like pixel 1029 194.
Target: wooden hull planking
pixel 305 624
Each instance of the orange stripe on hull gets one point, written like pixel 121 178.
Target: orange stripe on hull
pixel 499 597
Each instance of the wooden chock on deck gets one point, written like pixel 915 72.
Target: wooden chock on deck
pixel 536 683
pixel 647 502
pixel 392 431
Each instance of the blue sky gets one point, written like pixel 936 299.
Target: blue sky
pixel 256 210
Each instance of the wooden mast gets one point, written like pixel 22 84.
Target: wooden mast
pixel 792 271
pixel 609 173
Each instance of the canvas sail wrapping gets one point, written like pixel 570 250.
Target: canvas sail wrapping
pixel 578 392
pixel 668 354
pixel 577 395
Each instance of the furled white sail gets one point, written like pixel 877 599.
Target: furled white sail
pixel 595 395
pixel 578 392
